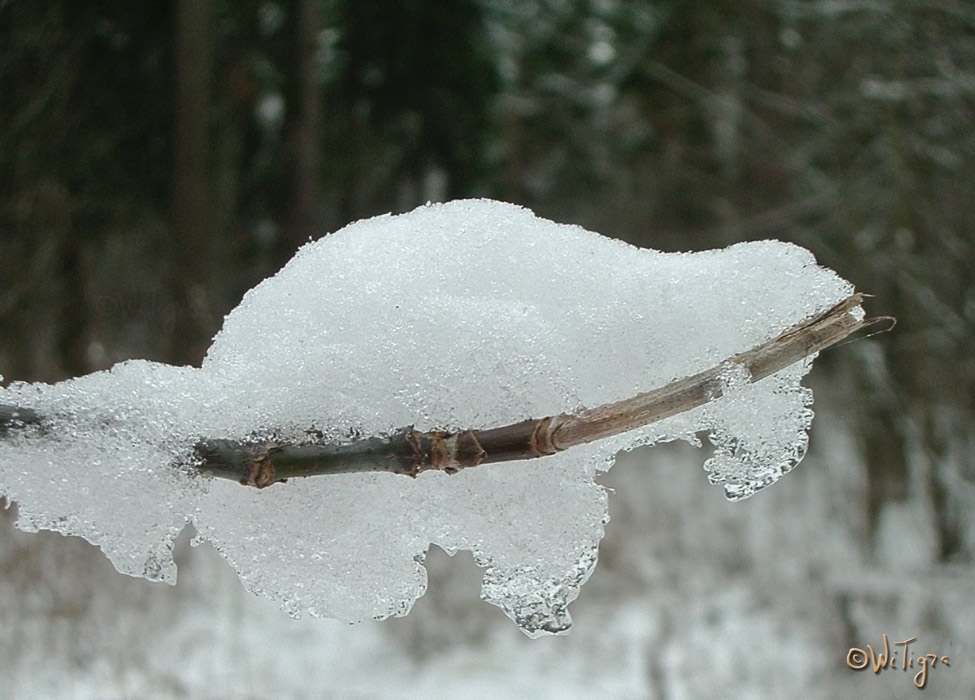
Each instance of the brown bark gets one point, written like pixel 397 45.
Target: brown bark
pixel 192 225
pixel 302 218
pixel 410 452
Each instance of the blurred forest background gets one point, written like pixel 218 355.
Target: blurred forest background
pixel 158 159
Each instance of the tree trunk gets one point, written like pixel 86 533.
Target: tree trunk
pixel 192 227
pixel 302 217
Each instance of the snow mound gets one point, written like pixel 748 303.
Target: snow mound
pixel 470 314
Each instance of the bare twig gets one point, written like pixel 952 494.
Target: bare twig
pixel 407 451
pixel 410 452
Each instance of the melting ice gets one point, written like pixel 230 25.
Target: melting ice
pixel 463 315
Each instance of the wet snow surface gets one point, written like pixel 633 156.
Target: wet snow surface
pixel 470 314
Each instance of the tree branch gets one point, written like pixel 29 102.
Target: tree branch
pixel 409 452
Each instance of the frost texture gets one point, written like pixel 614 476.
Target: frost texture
pixel 465 315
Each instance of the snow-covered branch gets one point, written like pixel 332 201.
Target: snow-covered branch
pixel 410 452
pixel 459 320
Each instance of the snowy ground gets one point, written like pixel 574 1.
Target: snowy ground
pixel 693 597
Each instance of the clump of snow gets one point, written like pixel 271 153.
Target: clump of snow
pixel 470 314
